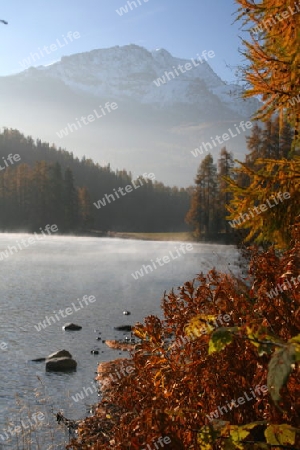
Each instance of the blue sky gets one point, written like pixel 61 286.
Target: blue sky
pixel 183 27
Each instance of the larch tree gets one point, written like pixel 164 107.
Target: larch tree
pixel 259 180
pixel 259 207
pixel 272 167
pixel 274 57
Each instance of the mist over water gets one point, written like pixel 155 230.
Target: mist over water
pixel 57 271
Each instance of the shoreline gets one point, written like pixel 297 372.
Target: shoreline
pixel 184 236
pixel 163 237
pixel 177 236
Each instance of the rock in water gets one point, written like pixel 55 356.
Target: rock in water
pixel 60 361
pixel 61 364
pixel 124 328
pixel 60 354
pixel 71 326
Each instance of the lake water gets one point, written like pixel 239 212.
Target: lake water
pixel 51 275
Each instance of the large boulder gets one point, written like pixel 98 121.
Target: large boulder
pixel 60 361
pixel 61 364
pixel 71 326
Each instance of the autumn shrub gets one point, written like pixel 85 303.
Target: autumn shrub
pixel 188 366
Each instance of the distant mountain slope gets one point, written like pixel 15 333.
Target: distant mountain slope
pixel 160 118
pixel 149 206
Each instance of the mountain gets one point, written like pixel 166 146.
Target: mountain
pixel 48 185
pixel 161 112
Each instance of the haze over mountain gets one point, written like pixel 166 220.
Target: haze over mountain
pixel 156 124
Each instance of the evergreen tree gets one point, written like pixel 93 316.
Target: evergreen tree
pixel 56 206
pixel 203 211
pixel 225 165
pixel 85 209
pixel 40 195
pixel 23 194
pixel 70 201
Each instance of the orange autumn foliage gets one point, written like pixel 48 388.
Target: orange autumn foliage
pixel 176 384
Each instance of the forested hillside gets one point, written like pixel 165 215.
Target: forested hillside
pixel 50 185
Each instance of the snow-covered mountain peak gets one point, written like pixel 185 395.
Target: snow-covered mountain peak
pixel 153 78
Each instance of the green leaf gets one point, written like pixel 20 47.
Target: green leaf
pixel 279 369
pixel 297 353
pixel 261 334
pixel 239 433
pixel 295 339
pixel 280 434
pixel 220 338
pixel 296 342
pixel 200 325
pixel 206 438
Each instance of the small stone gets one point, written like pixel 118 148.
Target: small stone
pixel 124 328
pixel 71 327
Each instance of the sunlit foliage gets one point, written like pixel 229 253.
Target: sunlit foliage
pixel 273 52
pixel 181 375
